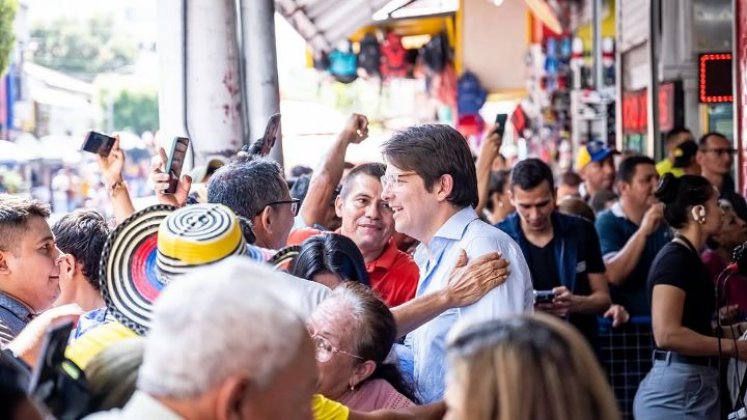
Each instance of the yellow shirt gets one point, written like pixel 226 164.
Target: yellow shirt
pixel 326 409
pixel 88 345
pixel 665 166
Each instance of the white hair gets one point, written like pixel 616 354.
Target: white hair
pixel 215 322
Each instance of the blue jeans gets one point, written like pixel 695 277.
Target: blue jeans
pixel 678 391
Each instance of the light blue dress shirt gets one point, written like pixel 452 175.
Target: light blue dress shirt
pixel 464 230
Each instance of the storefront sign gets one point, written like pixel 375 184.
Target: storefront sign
pixel 635 108
pixel 714 73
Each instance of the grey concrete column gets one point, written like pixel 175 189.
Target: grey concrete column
pixel 260 58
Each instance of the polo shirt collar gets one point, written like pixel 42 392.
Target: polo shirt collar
pixel 386 259
pixel 15 306
pixel 617 210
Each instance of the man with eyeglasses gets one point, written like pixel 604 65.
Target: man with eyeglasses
pixel 431 187
pixel 716 156
pixel 257 191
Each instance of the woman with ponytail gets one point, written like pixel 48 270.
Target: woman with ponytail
pixel 683 382
pixel 353 332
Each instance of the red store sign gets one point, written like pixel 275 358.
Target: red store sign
pixel 635 112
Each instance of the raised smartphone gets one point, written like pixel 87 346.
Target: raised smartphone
pixel 98 143
pixel 500 124
pixel 179 148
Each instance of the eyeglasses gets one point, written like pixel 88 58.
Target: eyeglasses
pixel 393 180
pixel 293 202
pixel 325 350
pixel 721 151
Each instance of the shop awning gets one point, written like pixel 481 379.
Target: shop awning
pixel 323 23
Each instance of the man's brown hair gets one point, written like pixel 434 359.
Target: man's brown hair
pixel 15 213
pixel 433 150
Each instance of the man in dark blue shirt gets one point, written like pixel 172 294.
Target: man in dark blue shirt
pixel 632 232
pixel 562 252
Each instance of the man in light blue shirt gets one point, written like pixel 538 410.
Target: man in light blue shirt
pixel 431 187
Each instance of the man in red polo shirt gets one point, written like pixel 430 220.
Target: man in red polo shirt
pixel 367 220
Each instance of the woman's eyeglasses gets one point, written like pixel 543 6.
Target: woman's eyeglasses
pixel 325 350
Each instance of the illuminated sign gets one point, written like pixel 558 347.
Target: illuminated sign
pixel 715 74
pixel 635 108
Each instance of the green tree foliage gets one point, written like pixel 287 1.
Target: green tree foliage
pixel 7 39
pixel 82 48
pixel 135 111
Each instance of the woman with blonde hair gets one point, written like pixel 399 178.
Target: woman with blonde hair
pixel 522 368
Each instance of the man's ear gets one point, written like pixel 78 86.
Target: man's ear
pixel 444 185
pixel 4 269
pixel 338 206
pixel 265 218
pixel 231 397
pixel 622 186
pixel 699 156
pixel 68 265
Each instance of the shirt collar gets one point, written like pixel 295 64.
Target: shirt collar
pixel 15 306
pixel 142 405
pixel 617 210
pixel 456 225
pixel 386 259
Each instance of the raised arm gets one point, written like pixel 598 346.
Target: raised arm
pixel 111 168
pixel 327 176
pixel 491 146
pixel 623 262
pixel 160 180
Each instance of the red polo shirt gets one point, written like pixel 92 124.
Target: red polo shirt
pixel 394 275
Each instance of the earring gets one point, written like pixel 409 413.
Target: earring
pixel 352 388
pixel 699 214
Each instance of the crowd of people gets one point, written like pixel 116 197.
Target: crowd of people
pixel 436 285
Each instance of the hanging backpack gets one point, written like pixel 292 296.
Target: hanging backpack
pixel 321 61
pixel 470 94
pixel 343 64
pixel 369 55
pixel 436 53
pixel 393 57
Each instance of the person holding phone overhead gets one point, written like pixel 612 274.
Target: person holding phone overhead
pixel 161 177
pixel 487 172
pixel 112 167
pixel 175 164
